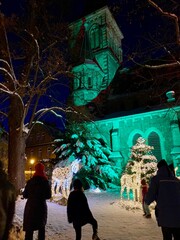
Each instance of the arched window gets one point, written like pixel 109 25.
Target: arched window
pixel 154 140
pixel 38 136
pixel 136 136
pixel 94 36
pixel 77 80
pixel 43 136
pixel 90 85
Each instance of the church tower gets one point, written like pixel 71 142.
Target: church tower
pixel 96 53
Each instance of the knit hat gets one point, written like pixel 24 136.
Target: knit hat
pixel 39 170
pixel 77 184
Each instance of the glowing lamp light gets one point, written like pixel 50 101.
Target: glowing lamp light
pixel 32 161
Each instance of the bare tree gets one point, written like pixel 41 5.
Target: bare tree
pixel 174 18
pixel 30 63
pixel 156 54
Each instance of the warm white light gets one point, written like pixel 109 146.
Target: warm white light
pixel 32 161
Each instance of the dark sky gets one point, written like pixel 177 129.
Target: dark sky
pixel 143 27
pixel 147 34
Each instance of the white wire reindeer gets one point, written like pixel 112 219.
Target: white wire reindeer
pixel 132 182
pixel 62 178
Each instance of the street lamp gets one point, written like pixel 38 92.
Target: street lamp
pixel 31 163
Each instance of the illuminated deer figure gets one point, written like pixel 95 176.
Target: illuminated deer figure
pixel 62 178
pixel 132 182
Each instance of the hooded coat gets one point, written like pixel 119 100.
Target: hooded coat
pixel 78 211
pixel 37 190
pixel 7 205
pixel 165 190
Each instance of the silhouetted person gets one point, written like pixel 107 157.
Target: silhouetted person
pixel 78 211
pixel 37 190
pixel 7 204
pixel 165 190
pixel 144 189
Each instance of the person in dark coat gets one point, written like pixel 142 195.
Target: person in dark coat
pixel 78 211
pixel 37 190
pixel 165 190
pixel 7 204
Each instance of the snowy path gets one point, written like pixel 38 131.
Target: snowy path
pixel 115 223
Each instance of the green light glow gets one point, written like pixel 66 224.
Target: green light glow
pixel 97 54
pixel 160 129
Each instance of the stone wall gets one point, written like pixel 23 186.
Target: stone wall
pixel 120 133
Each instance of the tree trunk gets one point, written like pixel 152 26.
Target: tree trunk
pixel 17 143
pixel 16 159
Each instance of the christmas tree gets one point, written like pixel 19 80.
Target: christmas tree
pixel 79 143
pixel 142 160
pixel 141 165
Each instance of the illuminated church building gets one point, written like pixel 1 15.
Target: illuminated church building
pixel 129 108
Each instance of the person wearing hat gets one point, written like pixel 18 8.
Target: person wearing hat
pixel 7 204
pixel 78 211
pixel 165 190
pixel 37 191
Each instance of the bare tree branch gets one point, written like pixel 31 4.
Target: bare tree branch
pixel 165 65
pixel 170 15
pixel 7 73
pixel 4 114
pixel 3 32
pixel 174 62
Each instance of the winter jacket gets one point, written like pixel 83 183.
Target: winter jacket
pixel 165 190
pixel 7 205
pixel 78 211
pixel 144 190
pixel 37 190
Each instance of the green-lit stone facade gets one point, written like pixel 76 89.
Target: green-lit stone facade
pixel 96 50
pixel 96 53
pixel 160 128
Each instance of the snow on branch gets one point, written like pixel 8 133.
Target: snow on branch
pixel 43 111
pixel 6 63
pixel 4 89
pixel 6 72
pixel 164 65
pixel 4 114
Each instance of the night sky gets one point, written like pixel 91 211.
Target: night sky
pixel 143 27
pixel 147 34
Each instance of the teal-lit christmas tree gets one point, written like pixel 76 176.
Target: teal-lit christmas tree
pixel 96 168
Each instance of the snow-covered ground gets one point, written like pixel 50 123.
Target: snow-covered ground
pixel 115 222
